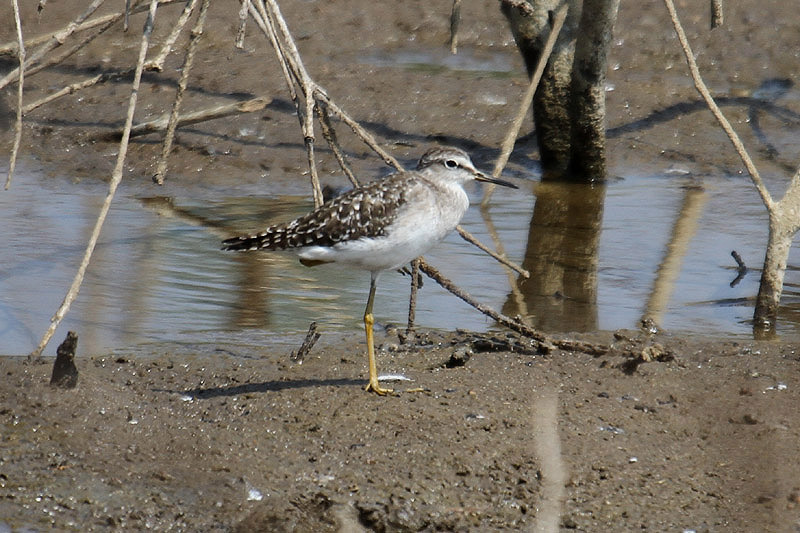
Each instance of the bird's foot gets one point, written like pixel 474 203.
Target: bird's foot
pixel 374 386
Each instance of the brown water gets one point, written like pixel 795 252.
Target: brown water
pixel 602 257
pixel 655 241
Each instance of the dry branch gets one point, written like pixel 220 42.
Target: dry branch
pixel 160 124
pixel 712 105
pixel 510 323
pixel 11 46
pixel 455 20
pixel 242 24
pixel 75 87
pixel 18 122
pixel 329 133
pixel 412 300
pixel 784 215
pixel 717 14
pixel 157 63
pixel 311 339
pixel 57 59
pixel 56 40
pixel 116 178
pixel 469 237
pixel 294 70
pixel 172 123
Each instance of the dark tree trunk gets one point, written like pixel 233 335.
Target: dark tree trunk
pixel 531 26
pixel 588 99
pixel 569 104
pixel 770 289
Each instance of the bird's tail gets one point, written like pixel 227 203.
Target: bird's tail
pixel 249 242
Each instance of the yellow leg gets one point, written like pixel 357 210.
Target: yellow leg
pixel 373 384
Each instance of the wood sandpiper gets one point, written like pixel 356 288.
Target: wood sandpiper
pixel 382 225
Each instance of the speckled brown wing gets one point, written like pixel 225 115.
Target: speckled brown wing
pixel 363 212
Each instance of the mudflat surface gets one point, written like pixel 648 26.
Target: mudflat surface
pixel 704 440
pixel 701 437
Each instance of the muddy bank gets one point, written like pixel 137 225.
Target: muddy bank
pixel 704 441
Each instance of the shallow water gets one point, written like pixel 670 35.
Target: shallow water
pixel 599 254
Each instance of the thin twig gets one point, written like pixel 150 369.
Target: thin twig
pixel 455 19
pixel 525 103
pixel 75 87
pixel 308 86
pixel 125 22
pixel 513 282
pixel 157 63
pixel 265 25
pixel 239 43
pixel 291 67
pixel 283 43
pixel 712 105
pixel 68 52
pixel 116 178
pixel 56 40
pixel 11 46
pixel 18 123
pixel 412 300
pixel 329 134
pixel 194 39
pixel 363 134
pixel 508 322
pixel 469 237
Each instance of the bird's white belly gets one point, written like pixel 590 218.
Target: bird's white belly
pixel 413 233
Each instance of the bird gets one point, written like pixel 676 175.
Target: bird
pixel 379 226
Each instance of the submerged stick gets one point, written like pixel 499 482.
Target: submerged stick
pixel 741 270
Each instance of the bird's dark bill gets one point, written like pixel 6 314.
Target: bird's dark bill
pixel 487 179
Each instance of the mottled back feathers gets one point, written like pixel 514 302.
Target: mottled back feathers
pixel 362 212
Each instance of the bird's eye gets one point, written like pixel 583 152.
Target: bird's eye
pixel 450 164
